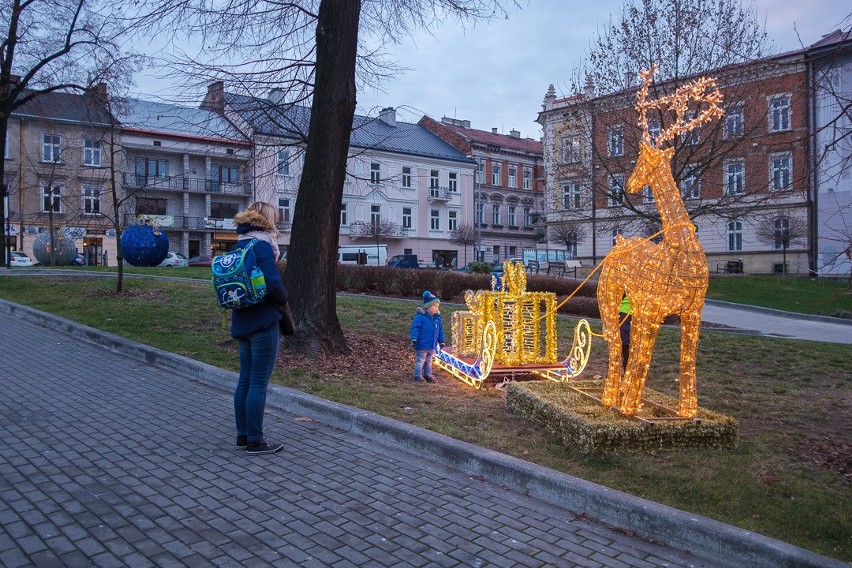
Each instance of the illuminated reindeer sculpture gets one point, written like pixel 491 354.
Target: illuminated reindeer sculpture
pixel 658 279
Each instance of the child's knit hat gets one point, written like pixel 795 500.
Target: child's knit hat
pixel 429 298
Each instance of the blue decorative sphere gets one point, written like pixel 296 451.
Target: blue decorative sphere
pixel 53 252
pixel 143 245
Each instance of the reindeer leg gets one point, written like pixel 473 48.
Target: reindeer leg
pixel 690 323
pixel 609 316
pixel 641 345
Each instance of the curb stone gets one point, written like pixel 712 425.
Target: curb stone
pixel 650 520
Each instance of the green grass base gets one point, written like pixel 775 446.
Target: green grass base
pixel 587 427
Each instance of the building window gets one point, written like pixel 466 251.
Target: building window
pixel 615 141
pixel 734 177
pixel 434 180
pixel 495 214
pixel 616 190
pixel 150 167
pixel 406 217
pixel 51 198
pixel 284 209
pixel 527 178
pixel 495 174
pixel 734 121
pixel 571 149
pixel 616 232
pixel 221 174
pixel 480 213
pixel 513 176
pixel 654 131
pixel 779 113
pixel 91 152
pixel 571 196
pixel 453 181
pixel 283 163
pixel 693 137
pixel 51 145
pixel 527 217
pixel 781 232
pixel 343 214
pixel 435 220
pixel 480 171
pixel 153 206
pixel 91 199
pixel 647 194
pixel 735 235
pixel 571 241
pixel 452 220
pixel 222 210
pixel 375 214
pixel 690 188
pixel 375 172
pixel 779 171
pixel 406 177
pixel 513 219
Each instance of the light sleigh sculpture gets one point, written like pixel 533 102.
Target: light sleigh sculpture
pixel 659 279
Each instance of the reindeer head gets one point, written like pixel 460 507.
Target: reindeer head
pixel 700 99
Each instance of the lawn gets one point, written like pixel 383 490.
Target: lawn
pixel 789 477
pixel 802 295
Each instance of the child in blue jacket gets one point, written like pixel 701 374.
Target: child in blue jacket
pixel 427 333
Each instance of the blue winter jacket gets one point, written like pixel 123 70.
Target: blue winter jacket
pixel 251 319
pixel 426 331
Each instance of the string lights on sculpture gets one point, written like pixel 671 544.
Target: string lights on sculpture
pixel 659 279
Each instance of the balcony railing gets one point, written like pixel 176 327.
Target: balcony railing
pixel 182 183
pixel 360 230
pixel 183 223
pixel 440 194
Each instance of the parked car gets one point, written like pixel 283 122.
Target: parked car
pixel 201 260
pixel 175 259
pixel 404 261
pixel 18 258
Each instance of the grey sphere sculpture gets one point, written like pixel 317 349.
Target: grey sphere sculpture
pixel 58 251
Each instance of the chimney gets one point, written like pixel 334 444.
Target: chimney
pixel 514 133
pixel 100 92
pixel 214 100
pixel 456 121
pixel 494 130
pixel 388 116
pixel 276 95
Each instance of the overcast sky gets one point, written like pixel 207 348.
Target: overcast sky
pixel 496 74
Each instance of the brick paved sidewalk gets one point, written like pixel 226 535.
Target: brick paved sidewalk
pixel 109 461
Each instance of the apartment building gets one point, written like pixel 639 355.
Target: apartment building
pixel 508 188
pixel 405 187
pixel 745 179
pixel 830 80
pixel 58 157
pixel 188 171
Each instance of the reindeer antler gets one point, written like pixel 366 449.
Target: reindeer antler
pixel 701 91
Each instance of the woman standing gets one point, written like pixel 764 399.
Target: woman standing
pixel 256 329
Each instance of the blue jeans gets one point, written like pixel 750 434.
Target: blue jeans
pixel 423 362
pixel 258 353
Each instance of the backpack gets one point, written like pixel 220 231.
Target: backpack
pixel 237 278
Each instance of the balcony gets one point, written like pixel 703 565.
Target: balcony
pixel 440 194
pixel 362 230
pixel 182 183
pixel 182 223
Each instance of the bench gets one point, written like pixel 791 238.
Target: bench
pixel 569 264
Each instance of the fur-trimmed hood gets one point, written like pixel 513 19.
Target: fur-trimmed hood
pixel 254 220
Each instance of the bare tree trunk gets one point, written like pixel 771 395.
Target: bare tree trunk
pixel 312 257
